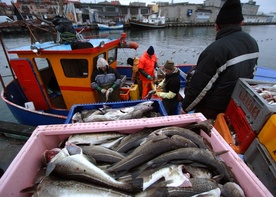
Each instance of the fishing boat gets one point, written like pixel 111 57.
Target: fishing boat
pixel 152 21
pixel 110 27
pixel 50 77
pixel 81 28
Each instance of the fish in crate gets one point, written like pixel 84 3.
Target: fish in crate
pixel 154 161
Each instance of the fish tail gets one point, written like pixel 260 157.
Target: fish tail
pixel 137 184
pixel 221 152
pixel 138 171
pixel 31 189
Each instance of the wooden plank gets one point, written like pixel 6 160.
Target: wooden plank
pixel 16 129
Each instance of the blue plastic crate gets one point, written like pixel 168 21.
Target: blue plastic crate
pixel 157 105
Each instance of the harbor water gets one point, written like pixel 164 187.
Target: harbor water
pixel 181 44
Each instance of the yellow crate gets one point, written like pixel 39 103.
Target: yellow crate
pixel 267 136
pixel 134 92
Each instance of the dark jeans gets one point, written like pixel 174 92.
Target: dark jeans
pixel 171 106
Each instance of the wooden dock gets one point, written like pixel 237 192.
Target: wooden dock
pixel 12 138
pixel 16 129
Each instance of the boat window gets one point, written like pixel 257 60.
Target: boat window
pixel 42 63
pixel 112 55
pixel 75 68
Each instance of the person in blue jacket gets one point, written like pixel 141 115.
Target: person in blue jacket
pixel 231 56
pixel 106 80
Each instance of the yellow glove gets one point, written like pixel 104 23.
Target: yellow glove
pixel 166 95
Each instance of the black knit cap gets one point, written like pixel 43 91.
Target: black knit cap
pixel 150 50
pixel 130 61
pixel 230 12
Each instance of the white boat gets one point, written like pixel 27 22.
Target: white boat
pixel 110 27
pixel 152 21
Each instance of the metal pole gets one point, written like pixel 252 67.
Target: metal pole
pixel 26 22
pixel 2 82
pixel 6 54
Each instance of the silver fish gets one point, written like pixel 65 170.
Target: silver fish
pixel 132 140
pixel 212 193
pixel 78 167
pixel 205 126
pixel 124 113
pixel 102 154
pixel 232 189
pixel 149 150
pixel 199 155
pixel 94 138
pixel 111 115
pixel 53 187
pixel 198 186
pixel 172 174
pixel 112 143
pixel 198 172
pixel 79 116
pixel 200 141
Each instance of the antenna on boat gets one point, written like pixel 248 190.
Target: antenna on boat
pixel 7 58
pixel 60 8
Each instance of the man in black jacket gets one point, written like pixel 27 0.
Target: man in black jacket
pixel 233 55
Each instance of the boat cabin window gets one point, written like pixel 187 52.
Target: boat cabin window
pixel 42 63
pixel 112 55
pixel 47 75
pixel 75 68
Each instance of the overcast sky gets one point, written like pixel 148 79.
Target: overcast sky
pixel 266 6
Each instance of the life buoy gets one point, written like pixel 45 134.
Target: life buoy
pixel 125 44
pixel 130 44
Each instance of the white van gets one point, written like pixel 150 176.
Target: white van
pixel 5 19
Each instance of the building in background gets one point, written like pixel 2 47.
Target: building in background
pixel 108 11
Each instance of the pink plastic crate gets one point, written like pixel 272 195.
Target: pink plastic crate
pixel 22 170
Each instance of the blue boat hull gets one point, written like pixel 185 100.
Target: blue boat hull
pixel 265 74
pixel 15 99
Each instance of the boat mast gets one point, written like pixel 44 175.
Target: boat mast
pixel 60 8
pixel 33 37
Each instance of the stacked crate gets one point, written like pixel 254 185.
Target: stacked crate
pixel 261 155
pixel 252 121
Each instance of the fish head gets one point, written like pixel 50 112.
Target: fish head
pixel 76 117
pixel 48 155
pixel 144 106
pixel 73 149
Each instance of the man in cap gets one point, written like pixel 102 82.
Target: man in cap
pixel 169 87
pixel 147 64
pixel 106 81
pixel 231 56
